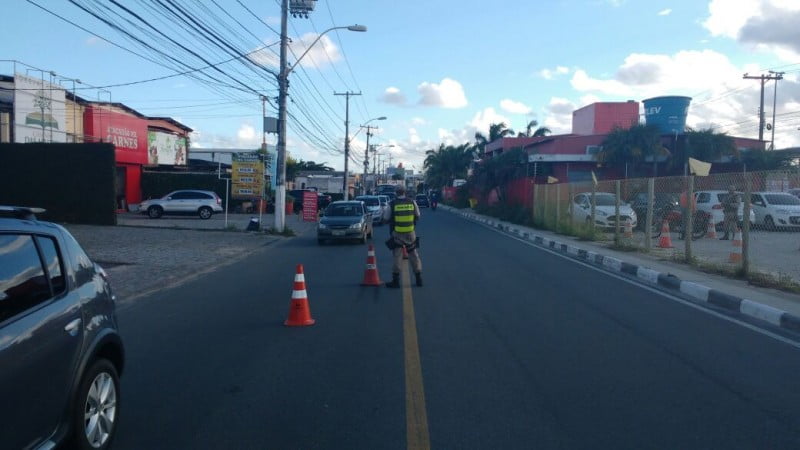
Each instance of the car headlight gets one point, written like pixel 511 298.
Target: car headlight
pixel 322 226
pixel 356 226
pixel 782 211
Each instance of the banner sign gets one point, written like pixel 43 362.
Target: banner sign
pixel 40 111
pixel 247 178
pixel 310 206
pixel 127 132
pixel 165 149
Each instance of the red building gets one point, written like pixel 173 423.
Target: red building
pixel 602 117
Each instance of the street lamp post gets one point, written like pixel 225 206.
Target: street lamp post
pixel 283 86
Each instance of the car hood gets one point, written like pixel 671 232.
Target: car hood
pixel 340 220
pixel 610 210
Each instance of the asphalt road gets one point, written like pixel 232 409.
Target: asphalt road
pixel 517 348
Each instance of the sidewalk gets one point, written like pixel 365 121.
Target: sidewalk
pixel 773 298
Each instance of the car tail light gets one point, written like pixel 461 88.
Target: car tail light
pixel 219 201
pixel 717 206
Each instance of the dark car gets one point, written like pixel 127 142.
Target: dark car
pixel 662 203
pixel 323 200
pixel 345 220
pixel 61 355
pixel 422 201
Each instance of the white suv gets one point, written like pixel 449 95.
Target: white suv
pixel 711 202
pixel 776 209
pixel 202 203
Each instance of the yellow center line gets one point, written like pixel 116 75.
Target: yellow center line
pixel 416 415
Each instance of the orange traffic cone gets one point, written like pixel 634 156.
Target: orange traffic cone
pixel 665 241
pixel 405 252
pixel 299 312
pixel 628 230
pixel 371 276
pixel 712 230
pixel 736 251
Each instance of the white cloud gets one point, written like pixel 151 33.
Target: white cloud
pixel 483 119
pixel 94 40
pixel 550 74
pixel 419 121
pixel 393 96
pixel 413 136
pixel 665 12
pixel 559 118
pixel 322 54
pixel 514 107
pixel 246 133
pixel 447 94
pixel 726 21
pixel 768 25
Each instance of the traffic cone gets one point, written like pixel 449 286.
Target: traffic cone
pixel 405 252
pixel 299 312
pixel 712 230
pixel 371 276
pixel 665 241
pixel 736 251
pixel 628 230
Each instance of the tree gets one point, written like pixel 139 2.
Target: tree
pixel 631 146
pixel 294 166
pixel 496 173
pixel 540 131
pixel 447 163
pixel 496 131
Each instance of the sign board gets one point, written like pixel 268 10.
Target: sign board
pixel 247 177
pixel 40 111
pixel 127 132
pixel 166 149
pixel 310 206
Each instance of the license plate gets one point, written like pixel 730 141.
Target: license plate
pixel 337 232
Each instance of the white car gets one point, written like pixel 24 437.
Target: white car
pixel 374 206
pixel 710 202
pixel 188 202
pixel 604 210
pixel 776 209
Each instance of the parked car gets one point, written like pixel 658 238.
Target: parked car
pixel 184 202
pixel 604 210
pixel 374 207
pixel 422 201
pixel 385 200
pixel 663 204
pixel 775 209
pixel 323 200
pixel 61 355
pixel 710 202
pixel 795 192
pixel 345 220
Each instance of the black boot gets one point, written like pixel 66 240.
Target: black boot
pixel 395 283
pixel 419 278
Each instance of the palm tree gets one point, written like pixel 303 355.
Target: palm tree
pixel 540 131
pixel 446 164
pixel 631 146
pixel 496 131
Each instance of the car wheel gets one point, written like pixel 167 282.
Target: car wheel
pixel 154 212
pixel 97 407
pixel 205 212
pixel 769 223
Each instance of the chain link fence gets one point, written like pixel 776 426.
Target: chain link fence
pixel 688 218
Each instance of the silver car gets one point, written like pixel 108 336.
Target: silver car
pixel 374 206
pixel 188 202
pixel 345 220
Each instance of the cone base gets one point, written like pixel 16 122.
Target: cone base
pixel 303 323
pixel 372 283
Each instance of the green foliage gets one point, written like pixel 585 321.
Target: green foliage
pixel 496 131
pixel 757 160
pixel 495 173
pixel 530 132
pixel 73 182
pixel 293 166
pixel 446 164
pixel 631 146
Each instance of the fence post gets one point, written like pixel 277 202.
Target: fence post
pixel 648 226
pixel 558 205
pixel 534 205
pixel 618 187
pixel 594 191
pixel 746 227
pixel 689 226
pixel 570 206
pixel 546 198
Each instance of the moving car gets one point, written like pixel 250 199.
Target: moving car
pixel 775 210
pixel 422 201
pixel 183 202
pixel 61 355
pixel 374 207
pixel 604 210
pixel 345 220
pixel 710 202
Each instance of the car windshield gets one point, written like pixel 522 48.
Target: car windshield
pixel 370 201
pixel 343 210
pixel 782 199
pixel 604 200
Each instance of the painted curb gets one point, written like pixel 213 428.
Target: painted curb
pixel 745 307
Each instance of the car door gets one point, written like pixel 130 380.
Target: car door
pixel 41 335
pixel 759 207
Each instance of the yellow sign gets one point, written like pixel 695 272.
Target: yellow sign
pixel 247 175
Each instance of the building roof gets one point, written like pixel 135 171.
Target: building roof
pixel 173 122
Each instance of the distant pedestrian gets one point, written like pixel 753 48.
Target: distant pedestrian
pixel 402 215
pixel 730 209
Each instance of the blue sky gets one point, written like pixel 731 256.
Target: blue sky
pixel 439 71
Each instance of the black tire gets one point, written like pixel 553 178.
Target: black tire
pixel 103 374
pixel 155 212
pixel 205 212
pixel 769 223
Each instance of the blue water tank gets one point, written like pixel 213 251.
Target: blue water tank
pixel 668 113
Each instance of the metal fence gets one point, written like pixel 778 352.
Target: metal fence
pixel 686 218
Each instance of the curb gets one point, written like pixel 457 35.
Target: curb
pixel 667 281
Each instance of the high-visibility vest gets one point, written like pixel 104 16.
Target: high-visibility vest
pixel 403 215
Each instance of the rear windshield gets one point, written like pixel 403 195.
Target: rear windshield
pixel 372 201
pixel 782 199
pixel 343 210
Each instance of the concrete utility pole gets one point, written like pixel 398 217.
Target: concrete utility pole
pixel 366 154
pixel 280 148
pixel 347 95
pixel 774 106
pixel 763 79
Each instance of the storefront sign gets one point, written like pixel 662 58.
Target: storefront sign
pixel 165 149
pixel 310 206
pixel 128 133
pixel 247 175
pixel 39 111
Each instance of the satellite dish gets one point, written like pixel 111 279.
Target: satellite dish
pixel 769 126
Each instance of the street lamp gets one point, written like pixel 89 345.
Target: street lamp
pixel 283 86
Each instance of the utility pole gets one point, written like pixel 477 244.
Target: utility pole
pixel 347 95
pixel 280 148
pixel 774 106
pixel 366 154
pixel 763 79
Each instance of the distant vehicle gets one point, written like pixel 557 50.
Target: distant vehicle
pixel 605 208
pixel 775 210
pixel 665 207
pixel 346 220
pixel 710 202
pixel 323 200
pixel 374 207
pixel 422 201
pixel 61 354
pixel 184 202
pixel 386 188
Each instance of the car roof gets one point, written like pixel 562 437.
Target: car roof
pixel 347 202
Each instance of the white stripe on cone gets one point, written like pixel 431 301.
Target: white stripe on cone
pixel 300 277
pixel 299 294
